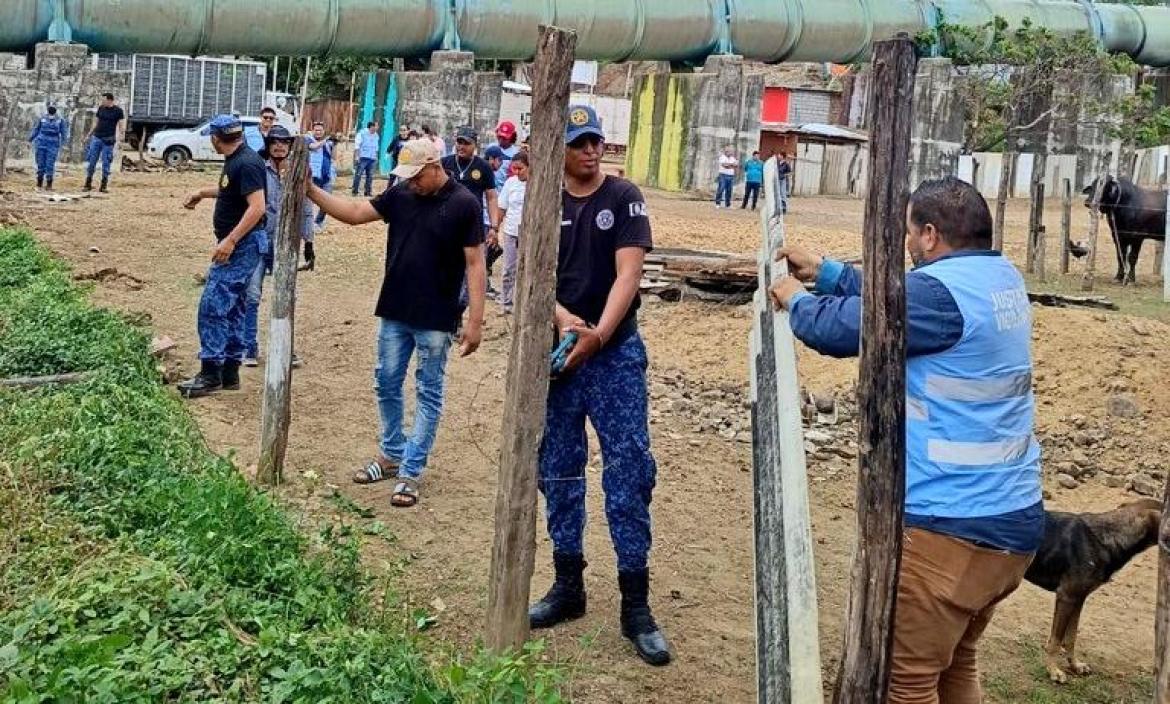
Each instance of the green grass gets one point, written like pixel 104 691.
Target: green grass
pixel 1029 684
pixel 137 566
pixel 1143 300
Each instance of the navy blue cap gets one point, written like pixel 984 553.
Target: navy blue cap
pixel 494 152
pixel 467 133
pixel 279 132
pixel 583 120
pixel 223 124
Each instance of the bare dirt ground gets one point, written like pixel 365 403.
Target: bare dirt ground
pixel 702 561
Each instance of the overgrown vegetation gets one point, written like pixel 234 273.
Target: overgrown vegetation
pixel 137 566
pixel 1029 684
pixel 1009 71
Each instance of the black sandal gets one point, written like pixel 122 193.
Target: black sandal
pixel 373 473
pixel 405 493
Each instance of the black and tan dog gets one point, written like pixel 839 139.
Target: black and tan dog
pixel 1081 552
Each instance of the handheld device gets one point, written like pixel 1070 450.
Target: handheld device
pixel 561 354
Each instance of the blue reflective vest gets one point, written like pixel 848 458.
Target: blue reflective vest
pixel 970 449
pixel 49 130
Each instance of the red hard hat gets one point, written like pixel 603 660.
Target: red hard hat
pixel 506 130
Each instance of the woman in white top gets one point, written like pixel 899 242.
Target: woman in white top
pixel 511 202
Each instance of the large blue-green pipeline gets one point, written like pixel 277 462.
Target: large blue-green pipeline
pixel 840 31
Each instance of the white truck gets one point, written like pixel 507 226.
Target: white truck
pixel 170 91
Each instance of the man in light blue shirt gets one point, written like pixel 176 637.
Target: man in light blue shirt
pixel 974 510
pixel 365 157
pixel 255 135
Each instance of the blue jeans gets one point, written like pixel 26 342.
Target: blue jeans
pixel 723 190
pixel 396 342
pixel 609 390
pixel 46 155
pixel 252 306
pixel 93 149
pixel 364 166
pixel 224 300
pixel 327 186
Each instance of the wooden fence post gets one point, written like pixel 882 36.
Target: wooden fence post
pixel 1162 612
pixel 1160 247
pixel 788 662
pixel 277 404
pixel 1166 260
pixel 1065 225
pixel 1094 229
pixel 514 546
pixel 1036 245
pixel 881 394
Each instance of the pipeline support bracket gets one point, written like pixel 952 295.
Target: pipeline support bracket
pixel 59 30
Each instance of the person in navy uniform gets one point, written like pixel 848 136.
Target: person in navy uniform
pixel 475 174
pixel 105 135
pixel 46 139
pixel 974 506
pixel 238 223
pixel 605 234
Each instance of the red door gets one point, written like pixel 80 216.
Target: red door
pixel 775 107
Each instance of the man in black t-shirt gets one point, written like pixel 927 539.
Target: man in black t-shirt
pixel 477 176
pixel 106 133
pixel 433 240
pixel 238 223
pixel 605 234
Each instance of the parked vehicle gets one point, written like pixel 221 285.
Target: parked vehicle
pixel 180 91
pixel 178 146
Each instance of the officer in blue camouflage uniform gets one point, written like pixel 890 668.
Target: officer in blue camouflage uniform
pixel 605 234
pixel 46 139
pixel 239 228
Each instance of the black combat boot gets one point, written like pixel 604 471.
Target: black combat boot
pixel 565 601
pixel 40 181
pixel 105 185
pixel 208 380
pixel 310 258
pixel 637 622
pixel 231 375
pixel 48 184
pixel 88 183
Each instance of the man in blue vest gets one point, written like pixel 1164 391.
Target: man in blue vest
pixel 46 139
pixel 974 511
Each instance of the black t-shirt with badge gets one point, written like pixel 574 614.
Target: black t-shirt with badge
pixel 475 175
pixel 425 263
pixel 593 229
pixel 243 174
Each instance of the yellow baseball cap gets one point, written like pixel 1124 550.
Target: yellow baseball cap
pixel 415 155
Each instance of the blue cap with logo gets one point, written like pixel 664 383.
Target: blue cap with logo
pixel 583 120
pixel 223 124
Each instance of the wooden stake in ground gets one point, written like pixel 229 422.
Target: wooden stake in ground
pixel 1166 260
pixel 1162 613
pixel 275 414
pixel 1094 228
pixel 1006 172
pixel 514 546
pixel 1036 249
pixel 1066 204
pixel 788 661
pixel 881 393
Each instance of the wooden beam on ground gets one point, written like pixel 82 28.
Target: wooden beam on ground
pixel 881 393
pixel 788 662
pixel 34 382
pixel 277 404
pixel 514 546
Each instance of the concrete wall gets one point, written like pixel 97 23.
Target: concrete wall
pixel 809 106
pixel 679 122
pixel 449 95
pixel 61 76
pixel 937 136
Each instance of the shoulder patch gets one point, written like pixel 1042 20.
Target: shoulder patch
pixel 605 219
pixel 638 210
pixel 224 181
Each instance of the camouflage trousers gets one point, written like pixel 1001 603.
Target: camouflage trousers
pixel 221 309
pixel 610 391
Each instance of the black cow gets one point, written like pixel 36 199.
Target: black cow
pixel 1134 214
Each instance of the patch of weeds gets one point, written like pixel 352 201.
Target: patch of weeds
pixel 348 505
pixel 137 566
pixel 1031 685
